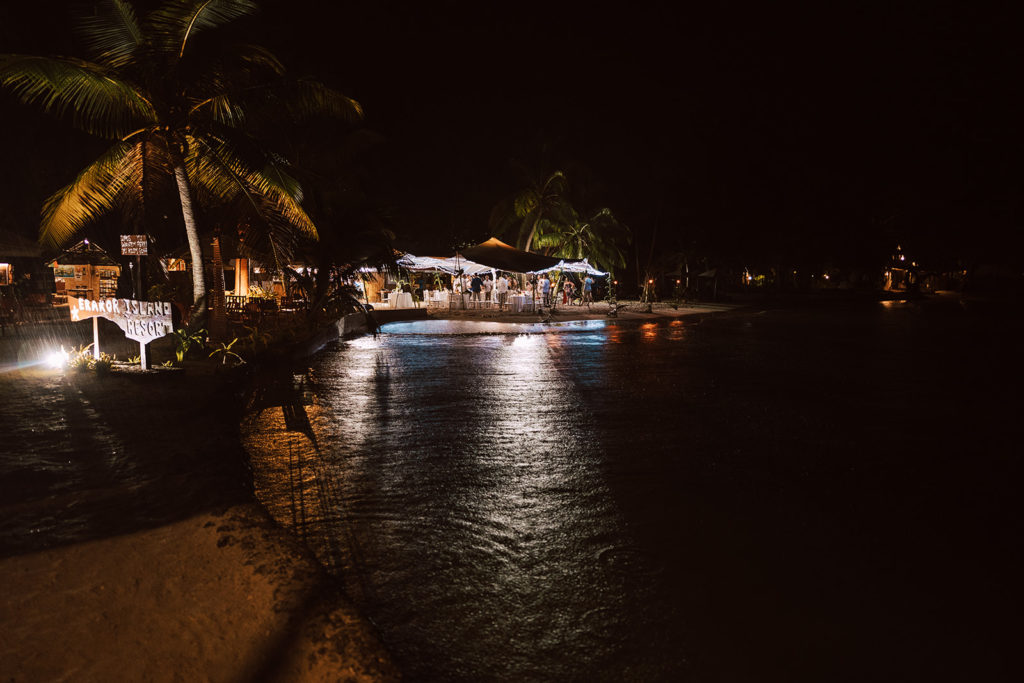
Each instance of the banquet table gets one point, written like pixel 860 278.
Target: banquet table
pixel 517 303
pixel 438 297
pixel 401 300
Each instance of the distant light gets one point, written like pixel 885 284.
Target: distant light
pixel 825 276
pixel 677 282
pixel 615 282
pixel 650 282
pixel 56 359
pixel 749 278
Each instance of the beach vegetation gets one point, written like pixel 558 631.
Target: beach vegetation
pixel 185 340
pixel 599 238
pixel 543 198
pixel 82 360
pixel 179 107
pixel 257 337
pixel 223 351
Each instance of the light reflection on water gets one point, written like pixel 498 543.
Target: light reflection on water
pixel 456 484
pixel 732 499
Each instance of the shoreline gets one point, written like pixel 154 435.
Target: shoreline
pixel 193 581
pixel 219 596
pixel 144 556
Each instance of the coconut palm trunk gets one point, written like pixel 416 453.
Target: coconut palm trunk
pixel 166 107
pixel 192 233
pixel 533 231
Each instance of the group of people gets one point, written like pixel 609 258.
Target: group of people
pixel 540 288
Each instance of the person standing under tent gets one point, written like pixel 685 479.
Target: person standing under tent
pixel 567 292
pixel 545 290
pixel 501 288
pixel 588 289
pixel 488 286
pixel 475 285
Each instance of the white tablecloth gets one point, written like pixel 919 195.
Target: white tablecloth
pixel 516 303
pixel 400 300
pixel 439 296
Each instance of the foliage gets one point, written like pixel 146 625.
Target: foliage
pixel 597 238
pixel 186 340
pixel 257 337
pixel 545 215
pixel 223 351
pixel 103 364
pixel 179 108
pixel 82 360
pixel 541 200
pixel 257 292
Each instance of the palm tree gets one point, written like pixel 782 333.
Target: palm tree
pixel 597 238
pixel 174 102
pixel 541 200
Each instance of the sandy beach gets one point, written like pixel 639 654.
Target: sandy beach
pixel 220 596
pixel 130 548
pixel 143 557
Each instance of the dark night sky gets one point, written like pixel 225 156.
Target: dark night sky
pixel 807 130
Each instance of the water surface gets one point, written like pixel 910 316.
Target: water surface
pixel 782 495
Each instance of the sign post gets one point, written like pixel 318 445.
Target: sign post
pixel 142 321
pixel 137 246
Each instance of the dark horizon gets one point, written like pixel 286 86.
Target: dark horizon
pixel 788 133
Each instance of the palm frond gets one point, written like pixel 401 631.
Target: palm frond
pixel 150 189
pixel 110 32
pixel 176 22
pixel 221 174
pixel 306 97
pixel 94 99
pixel 526 202
pixel 94 192
pixel 217 79
pixel 555 184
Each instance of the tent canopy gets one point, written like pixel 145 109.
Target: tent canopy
pixel 574 267
pixel 501 256
pixel 447 264
pixel 495 255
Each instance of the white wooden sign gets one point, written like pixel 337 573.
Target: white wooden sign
pixel 142 321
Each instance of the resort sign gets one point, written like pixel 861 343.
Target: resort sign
pixel 134 245
pixel 142 321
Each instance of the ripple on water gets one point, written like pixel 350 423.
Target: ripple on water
pixel 630 561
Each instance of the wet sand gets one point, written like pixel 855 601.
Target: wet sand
pixel 220 596
pixel 130 548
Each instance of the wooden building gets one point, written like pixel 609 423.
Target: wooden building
pixel 85 270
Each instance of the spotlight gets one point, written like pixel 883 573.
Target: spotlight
pixel 56 359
